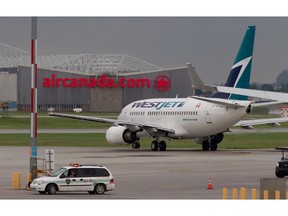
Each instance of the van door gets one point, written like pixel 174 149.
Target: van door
pixel 81 181
pixel 64 182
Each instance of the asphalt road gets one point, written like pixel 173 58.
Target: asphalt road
pixel 143 174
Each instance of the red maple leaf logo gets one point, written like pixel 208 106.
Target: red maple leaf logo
pixel 162 83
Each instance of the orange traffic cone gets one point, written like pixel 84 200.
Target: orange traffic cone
pixel 210 186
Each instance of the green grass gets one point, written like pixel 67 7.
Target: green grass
pixel 230 141
pixel 45 114
pixel 49 122
pixel 254 141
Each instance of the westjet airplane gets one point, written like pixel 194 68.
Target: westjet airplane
pixel 200 118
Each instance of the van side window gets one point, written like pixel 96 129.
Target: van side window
pixel 65 174
pixel 100 172
pixel 84 172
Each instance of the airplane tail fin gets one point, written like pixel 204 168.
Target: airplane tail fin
pixel 240 72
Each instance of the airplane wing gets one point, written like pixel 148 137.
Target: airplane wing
pixel 133 126
pixel 248 124
pixel 85 118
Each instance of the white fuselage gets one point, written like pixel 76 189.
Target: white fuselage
pixel 188 117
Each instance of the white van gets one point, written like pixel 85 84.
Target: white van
pixel 92 178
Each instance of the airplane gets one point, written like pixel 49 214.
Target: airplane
pixel 203 119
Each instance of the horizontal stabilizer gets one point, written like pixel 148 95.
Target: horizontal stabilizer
pixel 220 102
pixel 277 96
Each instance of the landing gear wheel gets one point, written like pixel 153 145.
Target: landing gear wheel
pixel 154 146
pixel 162 145
pixel 213 146
pixel 205 145
pixel 135 145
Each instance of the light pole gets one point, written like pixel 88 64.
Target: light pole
pixel 33 99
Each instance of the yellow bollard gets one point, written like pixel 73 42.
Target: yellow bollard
pixel 277 194
pixel 243 193
pixel 234 193
pixel 254 194
pixel 265 194
pixel 18 180
pixel 28 179
pixel 14 180
pixel 287 195
pixel 225 193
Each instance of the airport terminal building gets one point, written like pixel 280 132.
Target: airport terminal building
pixel 92 82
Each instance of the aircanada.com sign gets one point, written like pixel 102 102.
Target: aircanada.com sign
pixel 161 83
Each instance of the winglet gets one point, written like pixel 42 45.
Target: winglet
pixel 196 81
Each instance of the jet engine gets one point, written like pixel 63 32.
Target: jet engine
pixel 120 135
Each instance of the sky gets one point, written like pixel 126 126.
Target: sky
pixel 208 42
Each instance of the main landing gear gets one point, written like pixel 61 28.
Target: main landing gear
pixel 155 145
pixel 206 145
pixel 212 142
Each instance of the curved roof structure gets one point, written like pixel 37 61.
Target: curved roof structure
pixel 86 63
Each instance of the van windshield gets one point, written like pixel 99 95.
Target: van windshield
pixel 57 172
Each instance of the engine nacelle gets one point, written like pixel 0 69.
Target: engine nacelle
pixel 120 135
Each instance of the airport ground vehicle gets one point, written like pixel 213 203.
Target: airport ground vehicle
pixel 92 178
pixel 281 169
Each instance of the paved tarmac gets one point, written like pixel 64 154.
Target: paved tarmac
pixel 143 174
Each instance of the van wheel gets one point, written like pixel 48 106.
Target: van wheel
pixel 51 189
pixel 100 189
